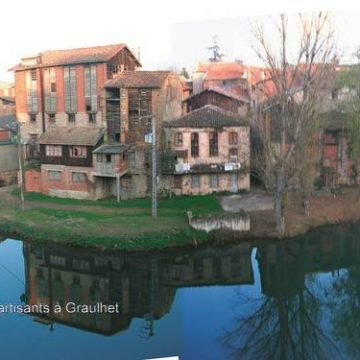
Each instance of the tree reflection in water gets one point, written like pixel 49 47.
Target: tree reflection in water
pixel 286 322
pixel 344 305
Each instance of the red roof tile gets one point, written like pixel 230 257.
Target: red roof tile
pixel 86 55
pixel 138 79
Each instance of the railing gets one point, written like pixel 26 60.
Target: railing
pixel 105 169
pixel 182 168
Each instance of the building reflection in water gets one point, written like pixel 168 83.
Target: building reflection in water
pixel 142 285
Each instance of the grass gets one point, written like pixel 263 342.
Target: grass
pixel 107 223
pixel 201 205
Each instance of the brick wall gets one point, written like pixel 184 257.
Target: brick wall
pixel 33 181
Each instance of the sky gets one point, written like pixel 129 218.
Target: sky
pixel 170 34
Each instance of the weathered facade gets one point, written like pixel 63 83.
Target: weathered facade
pixel 205 151
pixel 63 88
pixel 133 101
pixel 7 99
pixel 66 168
pixel 217 97
pixel 8 150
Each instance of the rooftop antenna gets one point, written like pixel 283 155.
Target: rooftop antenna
pixel 215 49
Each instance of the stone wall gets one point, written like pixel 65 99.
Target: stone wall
pixel 235 222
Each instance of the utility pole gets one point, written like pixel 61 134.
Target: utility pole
pixel 154 165
pixel 21 173
pixel 154 170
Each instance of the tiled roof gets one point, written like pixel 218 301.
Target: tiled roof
pixel 9 99
pixel 208 116
pixel 138 79
pixel 87 55
pixel 110 149
pixel 71 136
pixel 221 91
pixel 228 71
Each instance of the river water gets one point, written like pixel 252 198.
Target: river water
pixel 270 300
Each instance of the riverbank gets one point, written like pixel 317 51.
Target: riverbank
pixel 128 225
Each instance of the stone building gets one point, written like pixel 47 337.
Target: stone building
pixel 218 97
pixel 205 151
pixel 7 98
pixel 133 99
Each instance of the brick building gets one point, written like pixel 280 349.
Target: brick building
pixel 63 87
pixel 206 150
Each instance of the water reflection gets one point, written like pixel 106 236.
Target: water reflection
pixel 291 318
pixel 303 304
pixel 140 285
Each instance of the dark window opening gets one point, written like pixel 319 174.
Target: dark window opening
pixel 71 117
pixel 194 144
pixel 52 118
pixel 178 139
pixel 33 75
pixel 33 118
pixel 108 158
pixel 213 144
pixel 92 118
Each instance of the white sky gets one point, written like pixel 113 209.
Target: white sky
pixel 169 33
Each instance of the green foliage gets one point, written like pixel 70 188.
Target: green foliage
pixel 354 134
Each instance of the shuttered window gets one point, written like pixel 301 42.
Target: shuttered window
pixel 90 88
pixel 53 150
pixel 194 144
pixel 213 144
pixel 70 89
pixel 31 92
pixel 50 90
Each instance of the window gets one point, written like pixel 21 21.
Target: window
pixel 32 118
pixel 31 92
pixel 195 181
pixel 78 177
pixel 50 90
pixel 194 144
pixel 214 181
pixel 178 139
pixel 57 260
pixel 90 88
pixel 108 158
pixel 80 264
pixel 70 90
pixel 233 138
pixel 78 151
pixel 54 175
pixel 53 150
pixel 233 154
pixel 52 118
pixel 213 144
pixel 71 118
pixel 110 70
pixel 177 182
pixel 92 118
pixel 33 75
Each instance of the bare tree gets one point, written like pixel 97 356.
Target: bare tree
pixel 285 122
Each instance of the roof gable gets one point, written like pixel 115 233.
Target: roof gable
pixel 71 136
pixel 139 79
pixel 208 116
pixel 95 54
